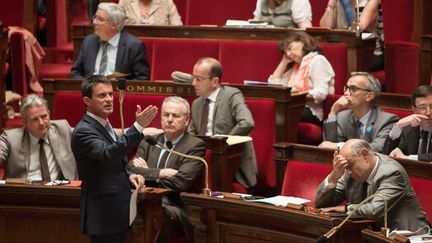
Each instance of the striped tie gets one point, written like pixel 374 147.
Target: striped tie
pixel 104 59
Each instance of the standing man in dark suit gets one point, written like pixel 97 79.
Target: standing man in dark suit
pixel 41 150
pixel 101 159
pixel 163 169
pixel 354 115
pixel 110 49
pixel 359 172
pixel 222 110
pixel 410 137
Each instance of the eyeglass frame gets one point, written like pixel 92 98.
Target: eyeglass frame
pixel 352 89
pixel 423 108
pixel 199 78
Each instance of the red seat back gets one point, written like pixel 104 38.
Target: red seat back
pixel 181 6
pixel 179 55
pixel 303 178
pixel 398 112
pixel 337 55
pixel 263 135
pixel 248 60
pixel 18 65
pixel 218 12
pixel 423 189
pixel 398 20
pixel 401 66
pixel 318 8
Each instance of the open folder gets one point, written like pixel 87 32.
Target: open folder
pixel 281 200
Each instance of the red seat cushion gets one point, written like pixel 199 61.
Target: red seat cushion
pixel 309 133
pixel 400 113
pixel 248 60
pixel 55 70
pixel 423 189
pixel 303 178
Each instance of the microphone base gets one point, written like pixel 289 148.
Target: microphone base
pixel 206 191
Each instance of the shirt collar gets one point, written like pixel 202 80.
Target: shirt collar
pixel 372 174
pixel 114 41
pixel 34 140
pixel 102 121
pixel 214 95
pixel 365 118
pixel 175 141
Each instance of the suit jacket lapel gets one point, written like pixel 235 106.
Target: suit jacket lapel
pixel 351 132
pixel 93 54
pixel 180 147
pixel 120 51
pixel 370 125
pixel 219 98
pixel 154 153
pixel 412 140
pixel 99 128
pixel 53 136
pixel 26 150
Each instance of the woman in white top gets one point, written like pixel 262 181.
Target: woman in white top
pixel 305 70
pixel 284 13
pixel 151 12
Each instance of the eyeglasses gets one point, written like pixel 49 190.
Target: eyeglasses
pixel 199 78
pixel 423 108
pixel 353 88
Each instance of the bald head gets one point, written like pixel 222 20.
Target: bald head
pixel 360 157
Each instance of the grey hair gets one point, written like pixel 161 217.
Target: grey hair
pixel 31 100
pixel 373 84
pixel 357 146
pixel 178 100
pixel 115 12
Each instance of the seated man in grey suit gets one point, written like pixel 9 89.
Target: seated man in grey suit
pixel 354 115
pixel 163 169
pixel 41 150
pixel 222 110
pixel 410 137
pixel 359 172
pixel 110 49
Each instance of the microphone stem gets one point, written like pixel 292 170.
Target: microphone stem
pixel 121 110
pixel 206 190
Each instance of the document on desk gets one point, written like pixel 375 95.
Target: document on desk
pixel 281 200
pixel 235 139
pixel 133 207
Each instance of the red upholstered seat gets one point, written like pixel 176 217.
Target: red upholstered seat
pixel 401 66
pixel 55 70
pixel 1 171
pixel 303 178
pixel 263 135
pixel 423 189
pixel 179 55
pixel 309 133
pixel 17 64
pixel 181 6
pixel 400 113
pixel 248 60
pixel 318 8
pixel 398 19
pixel 217 12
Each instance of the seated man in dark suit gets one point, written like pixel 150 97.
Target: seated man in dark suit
pixel 163 169
pixel 110 49
pixel 41 150
pixel 359 172
pixel 410 137
pixel 354 115
pixel 222 110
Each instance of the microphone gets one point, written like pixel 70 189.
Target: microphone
pixel 121 87
pixel 358 40
pixel 152 141
pixel 325 237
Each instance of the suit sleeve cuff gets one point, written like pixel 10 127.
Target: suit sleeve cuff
pixel 395 132
pixel 138 127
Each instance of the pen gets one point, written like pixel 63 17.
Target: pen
pixel 215 194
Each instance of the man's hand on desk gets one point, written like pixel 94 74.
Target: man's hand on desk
pixel 337 209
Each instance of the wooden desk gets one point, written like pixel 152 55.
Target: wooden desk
pixel 232 220
pixel 226 159
pixel 358 56
pixel 51 214
pixel 426 60
pixel 301 152
pixel 377 237
pixel 287 104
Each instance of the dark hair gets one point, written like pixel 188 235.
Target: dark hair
pixel 88 83
pixel 420 92
pixel 309 43
pixel 215 66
